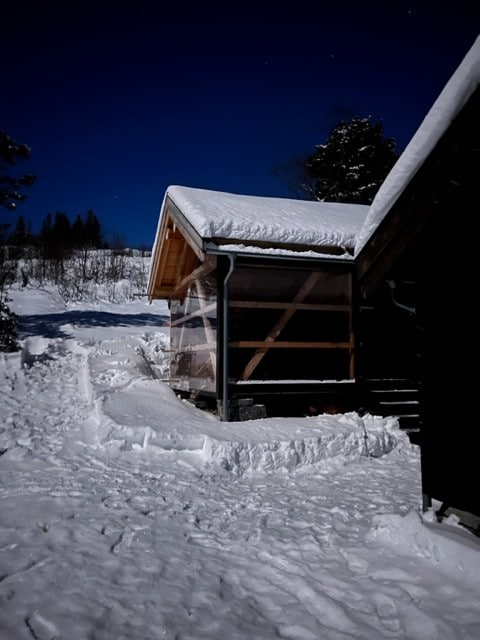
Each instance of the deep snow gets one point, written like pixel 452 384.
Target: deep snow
pixel 127 513
pixel 228 216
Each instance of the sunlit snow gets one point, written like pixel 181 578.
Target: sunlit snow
pixel 127 513
pixel 215 214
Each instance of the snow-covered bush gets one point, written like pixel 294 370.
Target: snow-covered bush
pixel 8 329
pixel 101 274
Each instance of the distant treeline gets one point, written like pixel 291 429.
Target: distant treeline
pixel 58 236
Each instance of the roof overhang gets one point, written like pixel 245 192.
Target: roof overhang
pixel 450 170
pixel 177 253
pixel 181 254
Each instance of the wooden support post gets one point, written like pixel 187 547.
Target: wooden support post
pixel 209 333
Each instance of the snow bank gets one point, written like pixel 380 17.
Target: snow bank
pixel 369 436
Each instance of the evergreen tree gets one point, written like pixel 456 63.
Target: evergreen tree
pixel 11 187
pixel 78 232
pixel 19 239
pixel 10 195
pixel 21 236
pixel 46 230
pixel 8 327
pixel 350 166
pixel 58 236
pixel 62 232
pixel 4 227
pixel 46 239
pixel 93 231
pixel 59 240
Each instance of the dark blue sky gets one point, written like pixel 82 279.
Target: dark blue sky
pixel 117 100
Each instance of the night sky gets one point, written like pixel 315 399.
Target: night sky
pixel 118 100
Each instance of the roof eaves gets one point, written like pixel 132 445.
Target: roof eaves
pixel 312 255
pixel 190 233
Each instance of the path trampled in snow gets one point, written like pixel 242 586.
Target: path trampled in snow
pixel 127 513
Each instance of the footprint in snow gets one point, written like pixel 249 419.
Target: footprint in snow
pixel 40 628
pixel 355 564
pixel 387 611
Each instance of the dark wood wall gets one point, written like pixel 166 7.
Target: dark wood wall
pixel 429 236
pixel 450 320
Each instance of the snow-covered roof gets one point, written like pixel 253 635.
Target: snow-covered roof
pixel 246 218
pixel 195 222
pixel 457 91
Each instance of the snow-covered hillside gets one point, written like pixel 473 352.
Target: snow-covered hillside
pixel 127 513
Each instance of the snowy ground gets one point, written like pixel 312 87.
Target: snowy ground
pixel 127 513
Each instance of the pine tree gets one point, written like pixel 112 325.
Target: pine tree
pixel 93 231
pixel 10 195
pixel 45 236
pixel 350 166
pixel 21 236
pixel 11 187
pixel 62 232
pixel 78 232
pixel 8 328
pixel 8 319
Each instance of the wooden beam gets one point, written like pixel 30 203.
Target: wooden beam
pixel 351 332
pixel 250 304
pixel 162 260
pixel 311 281
pixel 264 344
pixel 181 260
pixel 199 312
pixel 207 326
pixel 157 255
pixel 185 228
pixel 204 269
pixel 170 254
pixel 199 347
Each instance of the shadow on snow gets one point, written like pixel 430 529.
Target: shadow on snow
pixel 50 325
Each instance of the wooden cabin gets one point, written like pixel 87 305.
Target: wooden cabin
pixel 286 307
pixel 260 296
pixel 417 256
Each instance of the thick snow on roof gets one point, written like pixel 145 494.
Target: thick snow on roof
pixel 447 106
pixel 276 251
pixel 215 214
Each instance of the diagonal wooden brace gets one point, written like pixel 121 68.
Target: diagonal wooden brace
pixel 280 324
